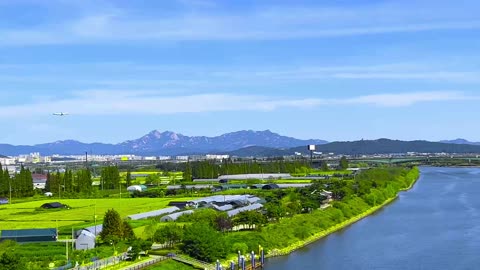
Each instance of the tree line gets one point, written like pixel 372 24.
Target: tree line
pixel 69 182
pixel 20 185
pixel 212 169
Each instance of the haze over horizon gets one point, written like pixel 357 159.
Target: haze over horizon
pixel 345 71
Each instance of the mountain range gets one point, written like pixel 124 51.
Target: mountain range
pixel 387 146
pixel 240 143
pixel 166 143
pixel 460 141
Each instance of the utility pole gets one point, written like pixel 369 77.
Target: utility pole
pixel 66 248
pixel 95 216
pixel 73 237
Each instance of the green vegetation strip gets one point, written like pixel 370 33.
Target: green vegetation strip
pixel 324 233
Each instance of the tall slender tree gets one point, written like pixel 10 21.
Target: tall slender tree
pixel 3 182
pixel 129 178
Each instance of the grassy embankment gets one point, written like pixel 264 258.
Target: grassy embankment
pixel 324 233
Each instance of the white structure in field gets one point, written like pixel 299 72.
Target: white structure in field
pixel 87 237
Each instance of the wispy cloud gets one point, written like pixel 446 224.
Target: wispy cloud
pixel 260 23
pixel 97 103
pixel 408 99
pixel 116 76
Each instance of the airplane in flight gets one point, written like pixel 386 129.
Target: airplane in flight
pixel 60 114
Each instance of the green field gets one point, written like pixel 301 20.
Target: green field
pixel 27 215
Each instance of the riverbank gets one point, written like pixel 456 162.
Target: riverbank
pixel 411 185
pixel 344 224
pixel 324 233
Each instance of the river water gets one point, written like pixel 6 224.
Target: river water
pixel 435 225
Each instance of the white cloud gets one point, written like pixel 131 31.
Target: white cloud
pixel 262 23
pixel 408 99
pixel 97 103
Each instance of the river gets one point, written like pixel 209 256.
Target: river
pixel 435 225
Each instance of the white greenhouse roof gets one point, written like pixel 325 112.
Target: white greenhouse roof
pixel 155 213
pixel 175 216
pixel 251 207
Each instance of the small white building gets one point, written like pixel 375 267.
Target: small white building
pixel 86 239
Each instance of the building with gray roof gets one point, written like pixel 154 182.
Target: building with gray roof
pixel 86 238
pixel 251 207
pixel 255 176
pixel 30 235
pixel 222 208
pixel 155 213
pixel 299 185
pixel 175 216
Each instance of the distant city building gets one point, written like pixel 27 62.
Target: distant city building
pixel 39 181
pixel 7 161
pixel 218 157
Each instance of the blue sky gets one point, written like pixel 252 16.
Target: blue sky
pixel 334 70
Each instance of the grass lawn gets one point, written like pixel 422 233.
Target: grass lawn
pixel 170 265
pixel 25 215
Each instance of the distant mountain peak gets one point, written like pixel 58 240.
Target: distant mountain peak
pixel 169 143
pixel 155 133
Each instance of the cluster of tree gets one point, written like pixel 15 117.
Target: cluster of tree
pixel 21 184
pixel 169 235
pixel 343 163
pixel 212 169
pixel 4 181
pixel 202 241
pixel 11 260
pixel 115 229
pixel 110 178
pixel 68 182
